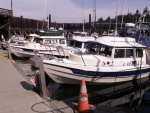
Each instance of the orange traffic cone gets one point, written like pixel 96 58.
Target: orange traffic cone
pixel 83 104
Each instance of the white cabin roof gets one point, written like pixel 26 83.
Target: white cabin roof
pixel 33 35
pixel 118 41
pixel 51 37
pixel 83 39
pixel 129 24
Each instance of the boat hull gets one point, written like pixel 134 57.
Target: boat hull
pixel 22 54
pixel 71 75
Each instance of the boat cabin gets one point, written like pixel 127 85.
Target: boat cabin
pixel 113 51
pixel 44 40
pixel 80 43
pixel 80 34
pixel 30 37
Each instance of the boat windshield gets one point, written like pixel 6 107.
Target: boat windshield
pixel 105 51
pixel 37 40
pixel 78 44
pixel 86 44
pixel 99 49
pixel 75 44
pixel 29 38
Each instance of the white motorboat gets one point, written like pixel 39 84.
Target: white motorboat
pixel 79 34
pixel 36 45
pixel 73 44
pixel 14 40
pixel 106 60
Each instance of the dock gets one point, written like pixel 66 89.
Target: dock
pixel 17 94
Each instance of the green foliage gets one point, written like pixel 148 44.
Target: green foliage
pixel 132 18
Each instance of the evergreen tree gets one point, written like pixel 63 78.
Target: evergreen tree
pixel 127 18
pixel 146 17
pixel 108 19
pixel 145 10
pixel 100 20
pixel 137 15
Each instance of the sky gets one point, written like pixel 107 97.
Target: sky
pixel 73 11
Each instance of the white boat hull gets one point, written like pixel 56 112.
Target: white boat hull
pixel 19 53
pixel 65 75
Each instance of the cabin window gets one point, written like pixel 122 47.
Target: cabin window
pixel 119 53
pixel 139 53
pixel 71 43
pixel 62 41
pixel 83 35
pixel 53 41
pixel 129 53
pixel 37 40
pixel 29 38
pixel 86 44
pixel 47 41
pixel 93 48
pixel 124 53
pixel 78 44
pixel 105 51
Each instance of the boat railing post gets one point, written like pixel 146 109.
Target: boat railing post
pixel 82 57
pixel 9 51
pixel 58 50
pixel 37 62
pixel 50 50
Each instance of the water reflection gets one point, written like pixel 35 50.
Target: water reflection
pixel 127 94
pixel 19 60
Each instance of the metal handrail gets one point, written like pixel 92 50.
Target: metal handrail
pixel 73 49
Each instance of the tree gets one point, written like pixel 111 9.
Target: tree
pixel 100 20
pixel 108 19
pixel 145 10
pixel 127 18
pixel 137 15
pixel 146 17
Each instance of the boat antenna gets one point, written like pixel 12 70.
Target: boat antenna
pixel 94 11
pixel 55 13
pixel 116 27
pixel 83 16
pixel 44 14
pixel 115 33
pixel 122 11
pixel 11 5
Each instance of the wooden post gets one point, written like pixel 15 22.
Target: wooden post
pixel 89 24
pixel 49 21
pixel 21 24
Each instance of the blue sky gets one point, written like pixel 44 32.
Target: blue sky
pixel 72 11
